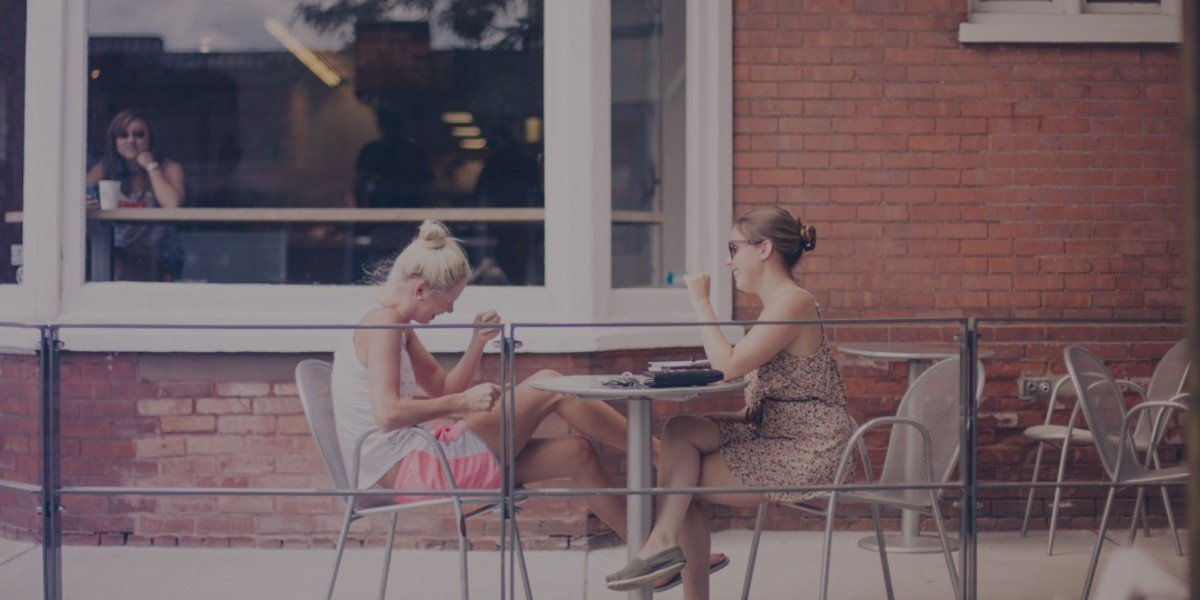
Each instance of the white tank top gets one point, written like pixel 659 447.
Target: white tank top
pixel 353 415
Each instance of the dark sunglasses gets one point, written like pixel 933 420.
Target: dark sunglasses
pixel 139 134
pixel 734 244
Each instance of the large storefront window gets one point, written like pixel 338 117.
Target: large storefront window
pixel 302 141
pixel 12 120
pixel 648 149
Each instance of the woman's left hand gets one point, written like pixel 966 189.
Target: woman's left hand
pixel 483 334
pixel 144 159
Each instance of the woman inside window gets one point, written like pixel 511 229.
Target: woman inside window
pixel 148 180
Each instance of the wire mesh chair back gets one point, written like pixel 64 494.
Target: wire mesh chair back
pixel 933 400
pixel 1170 374
pixel 314 381
pixel 1104 408
pixel 1168 380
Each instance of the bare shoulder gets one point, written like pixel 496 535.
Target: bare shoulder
pixel 793 304
pixel 376 317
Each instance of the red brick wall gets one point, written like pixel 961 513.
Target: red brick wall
pixel 944 180
pixel 987 180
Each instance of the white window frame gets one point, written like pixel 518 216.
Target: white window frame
pixel 1071 21
pixel 578 211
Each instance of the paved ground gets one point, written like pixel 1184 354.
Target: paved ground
pixel 1009 567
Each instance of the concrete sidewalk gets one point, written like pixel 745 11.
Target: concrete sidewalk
pixel 1009 567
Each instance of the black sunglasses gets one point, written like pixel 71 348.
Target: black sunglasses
pixel 734 244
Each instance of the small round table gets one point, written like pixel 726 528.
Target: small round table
pixel 918 356
pixel 639 508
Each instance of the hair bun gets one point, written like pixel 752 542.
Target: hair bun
pixel 808 237
pixel 433 234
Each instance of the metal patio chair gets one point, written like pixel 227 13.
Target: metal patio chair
pixel 1103 406
pixel 314 381
pixel 1166 384
pixel 923 449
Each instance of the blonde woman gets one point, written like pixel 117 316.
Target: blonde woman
pixel 794 425
pixel 376 373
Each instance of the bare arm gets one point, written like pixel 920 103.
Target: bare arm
pixel 761 343
pixel 166 180
pixel 384 347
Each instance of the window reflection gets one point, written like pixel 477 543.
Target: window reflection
pixel 286 105
pixel 12 111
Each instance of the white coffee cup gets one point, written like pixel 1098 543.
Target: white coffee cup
pixel 110 193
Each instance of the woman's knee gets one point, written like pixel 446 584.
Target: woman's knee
pixel 543 374
pixel 681 428
pixel 578 451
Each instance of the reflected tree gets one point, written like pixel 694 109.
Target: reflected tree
pixel 472 20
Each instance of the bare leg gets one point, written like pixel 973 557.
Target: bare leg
pixel 595 420
pixel 689 459
pixel 574 457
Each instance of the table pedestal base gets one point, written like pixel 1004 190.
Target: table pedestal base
pixel 900 544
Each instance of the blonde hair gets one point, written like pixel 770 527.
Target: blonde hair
pixel 433 256
pixel 786 233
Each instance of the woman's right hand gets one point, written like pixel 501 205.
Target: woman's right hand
pixel 481 398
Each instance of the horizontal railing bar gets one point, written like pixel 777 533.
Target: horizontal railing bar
pixel 1007 485
pixel 243 326
pixel 887 321
pixel 1078 320
pixel 17 486
pixel 210 491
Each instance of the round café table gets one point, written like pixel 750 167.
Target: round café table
pixel 919 357
pixel 639 508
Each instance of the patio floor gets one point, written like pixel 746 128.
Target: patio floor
pixel 1009 567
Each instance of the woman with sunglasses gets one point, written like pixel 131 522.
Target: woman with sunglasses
pixel 794 425
pixel 140 252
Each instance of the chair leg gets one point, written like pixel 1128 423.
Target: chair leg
pixel 1171 519
pixel 941 527
pixel 1062 468
pixel 758 525
pixel 1087 584
pixel 827 549
pixel 521 560
pixel 341 546
pixel 387 557
pixel 1139 514
pixel 883 560
pixel 1037 465
pixel 1167 507
pixel 463 575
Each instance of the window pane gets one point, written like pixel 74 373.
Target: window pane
pixel 12 139
pixel 647 141
pixel 290 105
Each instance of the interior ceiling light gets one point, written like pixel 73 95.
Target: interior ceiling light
pixel 458 118
pixel 466 131
pixel 314 63
pixel 472 144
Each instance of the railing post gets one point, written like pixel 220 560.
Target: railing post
pixel 50 506
pixel 969 354
pixel 508 419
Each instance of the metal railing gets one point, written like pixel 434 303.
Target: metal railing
pixel 51 489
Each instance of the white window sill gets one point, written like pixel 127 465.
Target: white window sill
pixel 1070 29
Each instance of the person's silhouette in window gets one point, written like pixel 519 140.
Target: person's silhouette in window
pixel 392 171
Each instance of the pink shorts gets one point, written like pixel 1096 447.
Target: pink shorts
pixel 471 461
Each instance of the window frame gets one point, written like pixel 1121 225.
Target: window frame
pixel 577 113
pixel 1071 21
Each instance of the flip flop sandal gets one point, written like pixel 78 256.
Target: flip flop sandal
pixel 642 572
pixel 677 580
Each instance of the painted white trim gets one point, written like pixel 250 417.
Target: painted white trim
pixel 1084 28
pixel 578 211
pixel 709 177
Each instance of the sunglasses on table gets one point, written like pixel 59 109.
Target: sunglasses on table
pixel 735 244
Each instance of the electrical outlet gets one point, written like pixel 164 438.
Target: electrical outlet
pixel 1034 387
